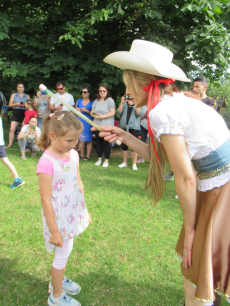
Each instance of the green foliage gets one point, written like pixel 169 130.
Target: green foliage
pixel 221 91
pixel 43 42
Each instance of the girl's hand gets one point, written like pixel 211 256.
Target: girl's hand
pixel 188 243
pixel 90 220
pixel 56 239
pixel 112 133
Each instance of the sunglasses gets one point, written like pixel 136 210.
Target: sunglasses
pixel 102 90
pixel 60 88
pixel 84 92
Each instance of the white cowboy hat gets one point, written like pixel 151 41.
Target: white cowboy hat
pixel 148 57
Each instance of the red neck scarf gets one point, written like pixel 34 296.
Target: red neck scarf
pixel 155 101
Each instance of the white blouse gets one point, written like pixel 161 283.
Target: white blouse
pixel 203 128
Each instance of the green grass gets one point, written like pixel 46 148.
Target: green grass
pixel 125 257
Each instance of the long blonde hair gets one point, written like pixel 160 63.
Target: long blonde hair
pixel 154 182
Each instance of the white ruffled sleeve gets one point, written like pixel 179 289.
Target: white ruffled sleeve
pixel 168 117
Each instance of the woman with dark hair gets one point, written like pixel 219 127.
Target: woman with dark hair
pixel 84 106
pixel 103 111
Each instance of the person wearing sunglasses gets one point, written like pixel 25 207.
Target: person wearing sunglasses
pixel 64 96
pixel 84 106
pixel 103 111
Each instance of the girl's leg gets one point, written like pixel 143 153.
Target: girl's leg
pixel 61 256
pixel 57 278
pixel 89 148
pixel 11 167
pixel 189 294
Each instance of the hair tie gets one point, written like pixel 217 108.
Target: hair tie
pixel 51 115
pixel 34 104
pixel 155 101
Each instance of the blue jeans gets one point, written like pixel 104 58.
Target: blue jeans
pixel 40 120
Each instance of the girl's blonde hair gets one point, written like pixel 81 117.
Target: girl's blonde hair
pixel 133 81
pixel 59 124
pixel 33 105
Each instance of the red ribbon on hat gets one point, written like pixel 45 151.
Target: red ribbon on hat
pixel 155 101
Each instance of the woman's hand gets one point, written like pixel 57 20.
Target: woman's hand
pixel 56 239
pixel 100 117
pixel 83 109
pixel 188 243
pixel 31 131
pixel 111 133
pixel 123 100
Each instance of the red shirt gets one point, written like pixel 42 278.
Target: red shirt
pixel 28 115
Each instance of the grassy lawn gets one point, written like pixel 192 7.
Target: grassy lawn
pixel 125 257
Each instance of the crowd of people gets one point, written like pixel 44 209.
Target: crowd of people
pixel 185 132
pixel 29 114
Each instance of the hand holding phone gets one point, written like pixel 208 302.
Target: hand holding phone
pixel 33 127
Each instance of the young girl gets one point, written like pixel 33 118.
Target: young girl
pixel 64 212
pixel 30 112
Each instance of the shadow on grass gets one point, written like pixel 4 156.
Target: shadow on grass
pixel 18 288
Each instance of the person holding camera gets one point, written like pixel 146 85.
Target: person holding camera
pixel 130 122
pixel 28 136
pixel 17 102
pixel 42 101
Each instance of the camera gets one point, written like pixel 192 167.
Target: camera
pixel 127 97
pixel 21 102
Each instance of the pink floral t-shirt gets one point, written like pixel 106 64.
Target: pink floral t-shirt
pixel 67 199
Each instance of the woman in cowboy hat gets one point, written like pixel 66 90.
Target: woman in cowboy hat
pixel 189 135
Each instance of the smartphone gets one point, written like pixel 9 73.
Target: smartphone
pixel 33 127
pixel 95 114
pixel 43 93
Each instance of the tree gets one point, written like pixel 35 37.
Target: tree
pixel 43 42
pixel 221 90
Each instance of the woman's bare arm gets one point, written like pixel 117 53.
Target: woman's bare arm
pixel 185 182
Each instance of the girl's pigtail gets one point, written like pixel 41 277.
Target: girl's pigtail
pixel 44 141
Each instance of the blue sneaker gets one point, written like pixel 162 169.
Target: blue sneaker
pixel 63 300
pixel 68 286
pixel 169 176
pixel 17 183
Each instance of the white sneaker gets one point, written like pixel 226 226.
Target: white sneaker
pixel 122 165
pixel 105 164
pixel 134 167
pixel 98 162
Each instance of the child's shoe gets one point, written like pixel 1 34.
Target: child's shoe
pixel 68 286
pixel 17 182
pixel 62 300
